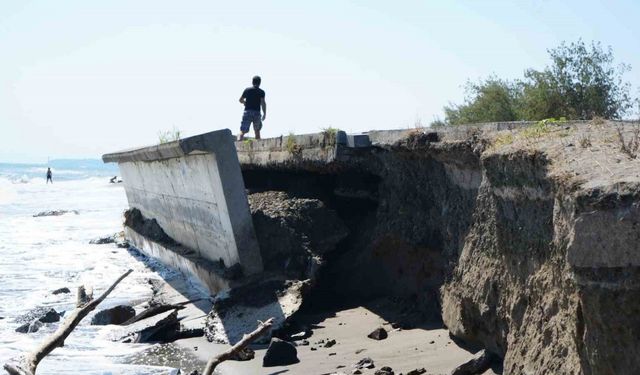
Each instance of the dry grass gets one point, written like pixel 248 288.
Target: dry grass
pixel 598 122
pixel 503 140
pixel 330 136
pixel 630 143
pixel 585 141
pixel 292 146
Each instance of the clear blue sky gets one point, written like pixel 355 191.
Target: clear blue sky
pixel 81 78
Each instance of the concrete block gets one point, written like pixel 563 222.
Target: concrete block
pixel 358 140
pixel 194 189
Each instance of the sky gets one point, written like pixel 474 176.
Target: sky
pixel 83 78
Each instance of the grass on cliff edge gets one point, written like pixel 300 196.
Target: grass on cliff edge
pixel 330 136
pixel 291 145
pixel 531 134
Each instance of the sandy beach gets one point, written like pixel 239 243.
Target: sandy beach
pixel 428 347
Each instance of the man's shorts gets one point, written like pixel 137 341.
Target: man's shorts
pixel 248 117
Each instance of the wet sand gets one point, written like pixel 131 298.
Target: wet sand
pixel 403 350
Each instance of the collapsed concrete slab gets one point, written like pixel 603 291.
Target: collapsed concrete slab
pixel 193 189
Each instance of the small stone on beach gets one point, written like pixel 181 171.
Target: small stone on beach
pixel 280 353
pixel 378 334
pixel 386 370
pixel 418 371
pixel 115 315
pixel 364 363
pixel 50 316
pixel 31 327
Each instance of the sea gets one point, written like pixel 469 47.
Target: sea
pixel 41 254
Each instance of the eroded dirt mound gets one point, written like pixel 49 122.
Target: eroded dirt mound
pixel 294 233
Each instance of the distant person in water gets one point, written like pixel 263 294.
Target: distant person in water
pixel 49 176
pixel 253 99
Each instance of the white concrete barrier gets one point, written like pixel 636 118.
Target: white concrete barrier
pixel 194 189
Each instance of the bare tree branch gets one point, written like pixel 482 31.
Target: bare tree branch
pixel 246 340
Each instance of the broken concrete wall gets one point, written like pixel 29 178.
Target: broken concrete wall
pixel 193 188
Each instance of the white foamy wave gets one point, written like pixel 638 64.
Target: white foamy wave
pixel 24 179
pixel 40 254
pixel 6 196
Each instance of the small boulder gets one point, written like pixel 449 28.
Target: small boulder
pixel 378 334
pixel 386 370
pixel 43 314
pixel 477 365
pixel 280 353
pixel 50 316
pixel 23 328
pixel 418 371
pixel 61 290
pixel 114 315
pixel 364 363
pixel 30 327
pixel 329 343
pixel 102 240
pixel 35 326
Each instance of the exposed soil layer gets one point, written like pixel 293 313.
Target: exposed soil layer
pixel 294 233
pixel 524 241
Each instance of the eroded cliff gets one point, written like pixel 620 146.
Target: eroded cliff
pixel 524 241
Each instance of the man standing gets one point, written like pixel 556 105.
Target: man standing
pixel 253 99
pixel 49 176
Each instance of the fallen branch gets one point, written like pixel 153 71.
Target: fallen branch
pixel 28 364
pixel 83 297
pixel 246 340
pixel 158 309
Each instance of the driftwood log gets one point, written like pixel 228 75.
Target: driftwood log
pixel 165 330
pixel 158 309
pixel 83 297
pixel 246 340
pixel 27 364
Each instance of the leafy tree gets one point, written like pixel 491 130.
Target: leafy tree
pixel 582 82
pixel 490 100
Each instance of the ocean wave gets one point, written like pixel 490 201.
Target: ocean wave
pixel 70 170
pixel 7 195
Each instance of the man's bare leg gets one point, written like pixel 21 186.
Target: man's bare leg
pixel 257 133
pixel 241 136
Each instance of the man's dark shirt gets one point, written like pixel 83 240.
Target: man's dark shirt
pixel 252 96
